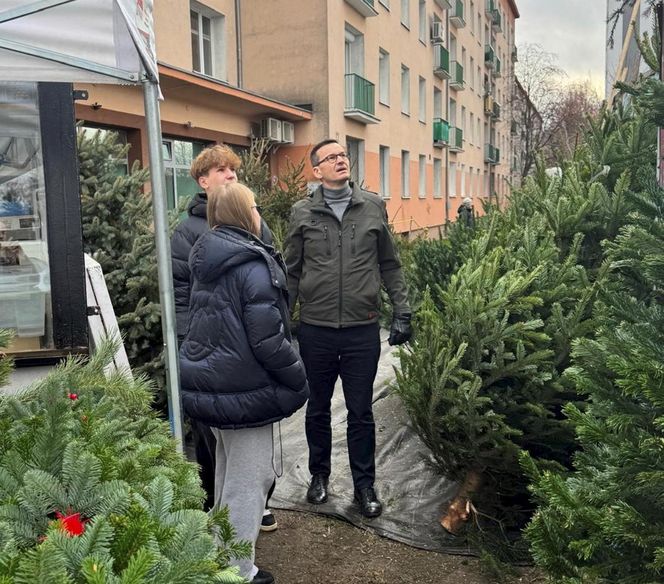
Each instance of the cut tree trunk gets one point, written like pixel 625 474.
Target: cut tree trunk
pixel 460 508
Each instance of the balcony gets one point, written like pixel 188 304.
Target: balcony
pixel 456 139
pixel 488 104
pixel 364 7
pixel 515 55
pixel 489 7
pixel 496 20
pixel 456 76
pixel 441 62
pixel 441 133
pixel 514 128
pixel 456 15
pixel 444 4
pixel 497 71
pixel 489 57
pixel 360 99
pixel 491 154
pixel 495 113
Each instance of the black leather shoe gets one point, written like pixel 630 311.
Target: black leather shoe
pixel 370 506
pixel 263 577
pixel 317 491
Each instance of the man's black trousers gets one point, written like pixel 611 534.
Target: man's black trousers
pixel 352 354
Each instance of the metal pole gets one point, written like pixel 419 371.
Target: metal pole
pixel 164 268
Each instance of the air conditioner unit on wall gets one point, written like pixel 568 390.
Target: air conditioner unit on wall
pixel 437 32
pixel 287 132
pixel 271 128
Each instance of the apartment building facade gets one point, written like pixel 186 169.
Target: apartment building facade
pixel 413 88
pixel 204 102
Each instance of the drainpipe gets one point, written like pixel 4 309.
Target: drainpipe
pixel 238 42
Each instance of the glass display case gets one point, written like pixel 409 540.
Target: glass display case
pixel 25 291
pixel 42 276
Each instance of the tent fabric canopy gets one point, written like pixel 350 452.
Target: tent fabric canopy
pixel 85 41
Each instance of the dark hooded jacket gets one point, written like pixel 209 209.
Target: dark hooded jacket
pixel 184 237
pixel 238 368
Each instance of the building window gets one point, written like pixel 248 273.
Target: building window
pixel 437 178
pixel 471 77
pixel 462 178
pixel 471 133
pixel 405 13
pixel 405 90
pixel 355 149
pixel 451 179
pixel 385 172
pixel 422 176
pixel 472 19
pixel 178 156
pixel 423 100
pixel 207 41
pixel 423 21
pixel 405 174
pixel 354 51
pixel 437 103
pixel 384 77
pixel 463 119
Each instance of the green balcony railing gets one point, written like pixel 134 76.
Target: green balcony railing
pixel 441 61
pixel 496 110
pixel 456 75
pixel 456 138
pixel 360 94
pixel 490 6
pixel 489 56
pixel 456 14
pixel 369 3
pixel 491 154
pixel 441 131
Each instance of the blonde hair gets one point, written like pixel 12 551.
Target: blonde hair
pixel 232 205
pixel 218 156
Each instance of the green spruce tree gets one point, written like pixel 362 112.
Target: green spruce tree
pixel 118 233
pixel 93 491
pixel 604 521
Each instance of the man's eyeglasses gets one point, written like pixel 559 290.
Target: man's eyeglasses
pixel 333 158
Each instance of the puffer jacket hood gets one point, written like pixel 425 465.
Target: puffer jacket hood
pixel 184 237
pixel 198 206
pixel 238 368
pixel 226 248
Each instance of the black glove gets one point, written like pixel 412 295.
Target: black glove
pixel 400 331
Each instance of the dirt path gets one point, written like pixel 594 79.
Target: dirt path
pixel 312 549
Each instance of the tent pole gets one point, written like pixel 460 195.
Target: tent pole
pixel 164 268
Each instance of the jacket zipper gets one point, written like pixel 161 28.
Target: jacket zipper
pixel 327 240
pixel 352 239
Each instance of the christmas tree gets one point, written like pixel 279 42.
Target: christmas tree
pixel 92 489
pixel 604 522
pixel 483 379
pixel 117 232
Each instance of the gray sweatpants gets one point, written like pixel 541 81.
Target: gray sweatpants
pixel 243 477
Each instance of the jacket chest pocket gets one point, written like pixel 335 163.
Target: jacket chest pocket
pixel 318 238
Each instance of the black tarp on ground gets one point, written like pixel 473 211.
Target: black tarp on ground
pixel 413 495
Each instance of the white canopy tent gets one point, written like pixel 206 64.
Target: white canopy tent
pixel 100 41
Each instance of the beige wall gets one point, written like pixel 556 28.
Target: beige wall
pixel 173 35
pixel 284 54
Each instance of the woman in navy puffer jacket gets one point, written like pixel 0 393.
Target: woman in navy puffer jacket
pixel 239 371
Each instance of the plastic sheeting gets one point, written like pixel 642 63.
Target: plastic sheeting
pixel 87 34
pixel 413 495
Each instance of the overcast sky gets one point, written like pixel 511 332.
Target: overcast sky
pixel 574 30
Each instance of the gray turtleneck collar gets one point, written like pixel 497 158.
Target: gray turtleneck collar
pixel 338 199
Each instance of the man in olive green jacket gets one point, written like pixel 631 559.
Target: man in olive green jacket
pixel 339 250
